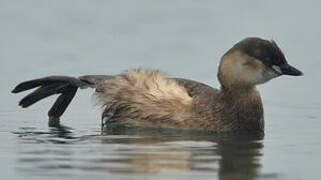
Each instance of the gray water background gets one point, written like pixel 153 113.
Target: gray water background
pixel 182 38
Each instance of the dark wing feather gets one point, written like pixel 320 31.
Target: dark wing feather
pixel 195 88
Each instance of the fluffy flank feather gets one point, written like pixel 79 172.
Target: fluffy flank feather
pixel 145 95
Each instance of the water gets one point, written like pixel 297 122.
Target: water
pixel 40 38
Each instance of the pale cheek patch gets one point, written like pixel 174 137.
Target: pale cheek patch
pixel 253 73
pixel 253 77
pixel 240 69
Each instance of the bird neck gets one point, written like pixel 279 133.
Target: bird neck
pixel 245 106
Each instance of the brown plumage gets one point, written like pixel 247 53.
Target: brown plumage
pixel 141 97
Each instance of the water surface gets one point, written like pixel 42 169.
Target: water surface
pixel 182 38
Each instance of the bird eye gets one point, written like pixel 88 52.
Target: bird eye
pixel 267 61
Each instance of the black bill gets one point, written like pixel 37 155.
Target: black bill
pixel 290 70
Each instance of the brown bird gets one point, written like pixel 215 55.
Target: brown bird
pixel 149 98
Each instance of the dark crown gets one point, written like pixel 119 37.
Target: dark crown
pixel 266 51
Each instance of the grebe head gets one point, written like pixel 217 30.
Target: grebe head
pixel 253 61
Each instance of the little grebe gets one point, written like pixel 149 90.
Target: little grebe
pixel 146 98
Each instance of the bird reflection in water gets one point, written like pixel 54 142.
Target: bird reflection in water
pixel 136 151
pixel 230 156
